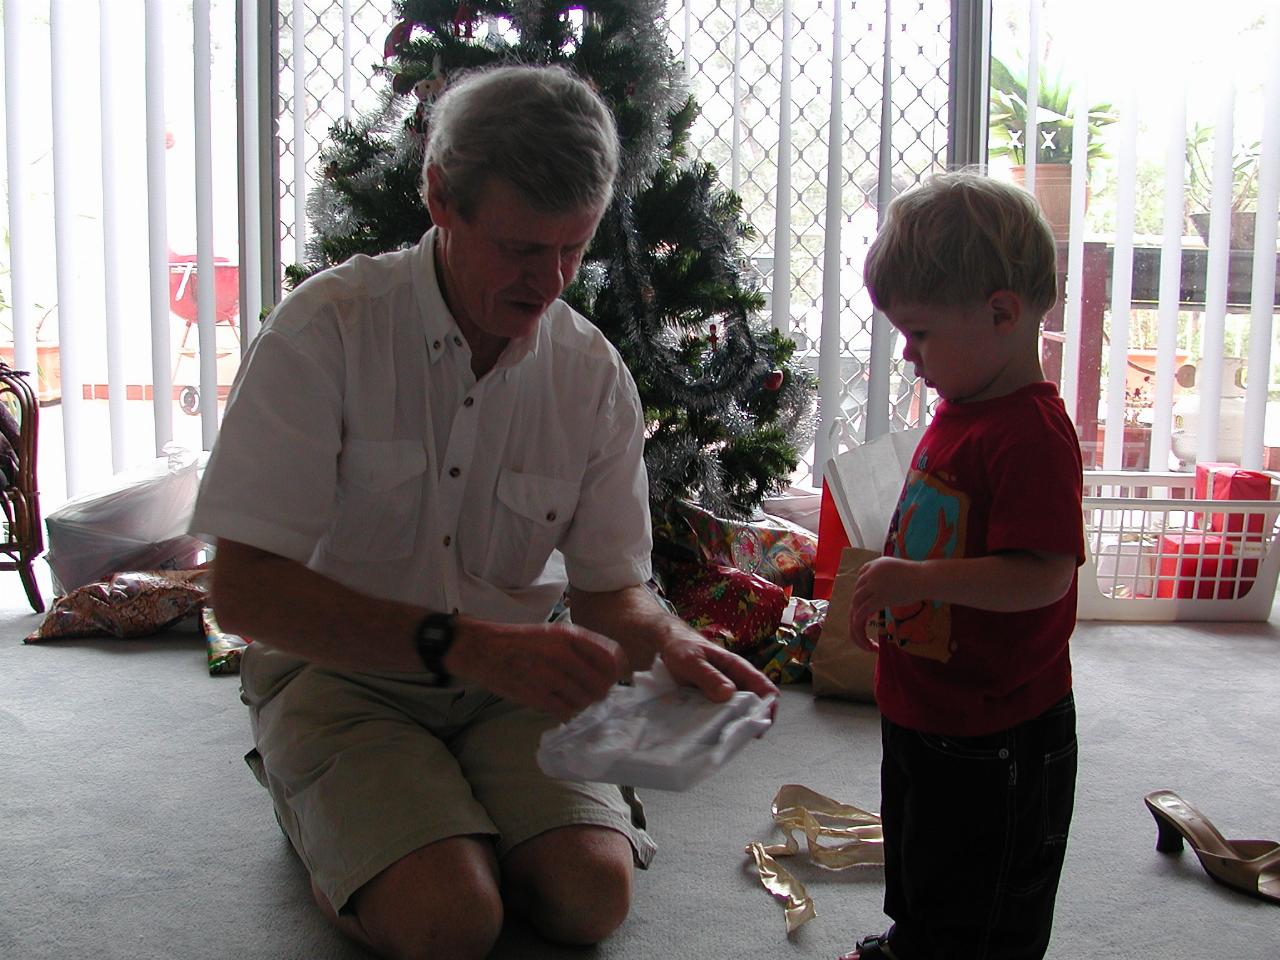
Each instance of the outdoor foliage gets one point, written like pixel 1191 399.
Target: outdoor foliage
pixel 1054 116
pixel 1246 164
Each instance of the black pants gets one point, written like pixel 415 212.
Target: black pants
pixel 975 829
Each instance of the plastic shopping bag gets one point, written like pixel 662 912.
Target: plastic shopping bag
pixel 138 522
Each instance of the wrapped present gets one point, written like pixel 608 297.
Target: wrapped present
pixel 224 649
pixel 778 550
pixel 739 610
pixel 785 658
pixel 1197 565
pixel 1229 481
pixel 1126 566
pixel 132 604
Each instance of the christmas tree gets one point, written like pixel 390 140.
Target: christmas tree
pixel 664 279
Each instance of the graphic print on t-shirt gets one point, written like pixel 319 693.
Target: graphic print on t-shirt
pixel 928 524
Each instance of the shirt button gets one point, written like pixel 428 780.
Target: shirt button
pixel 551 515
pixel 469 401
pixel 457 341
pixel 454 472
pixel 448 540
pixel 435 345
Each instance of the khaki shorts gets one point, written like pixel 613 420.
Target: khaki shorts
pixel 364 769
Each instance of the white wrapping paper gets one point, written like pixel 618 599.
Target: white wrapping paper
pixel 653 734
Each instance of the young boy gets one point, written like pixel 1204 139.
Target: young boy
pixel 975 598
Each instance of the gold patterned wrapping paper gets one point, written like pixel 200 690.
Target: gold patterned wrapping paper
pixel 796 808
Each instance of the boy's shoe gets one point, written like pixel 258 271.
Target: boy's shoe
pixel 871 948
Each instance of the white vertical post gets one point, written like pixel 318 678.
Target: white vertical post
pixel 206 281
pixel 24 346
pixel 158 229
pixel 1073 308
pixel 107 99
pixel 65 24
pixel 1122 279
pixel 347 54
pixel 876 414
pixel 299 132
pixel 735 146
pixel 688 39
pixel 250 175
pixel 1033 93
pixel 1213 339
pixel 1170 274
pixel 830 386
pixel 1262 296
pixel 271 251
pixel 782 206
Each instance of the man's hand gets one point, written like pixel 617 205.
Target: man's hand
pixel 644 628
pixel 882 583
pixel 558 668
pixel 695 661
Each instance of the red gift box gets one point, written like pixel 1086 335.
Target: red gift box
pixel 1228 481
pixel 1189 564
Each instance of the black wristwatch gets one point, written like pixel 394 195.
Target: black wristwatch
pixel 433 639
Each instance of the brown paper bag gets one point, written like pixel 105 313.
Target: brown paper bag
pixel 840 668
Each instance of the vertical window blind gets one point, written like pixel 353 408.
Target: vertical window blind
pixel 147 223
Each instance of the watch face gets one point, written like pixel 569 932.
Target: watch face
pixel 435 634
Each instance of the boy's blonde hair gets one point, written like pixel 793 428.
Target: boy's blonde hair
pixel 959 237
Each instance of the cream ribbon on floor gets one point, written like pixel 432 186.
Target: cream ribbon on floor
pixel 797 808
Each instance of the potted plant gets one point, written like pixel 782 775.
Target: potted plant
pixel 1054 125
pixel 1245 166
pixel 48 379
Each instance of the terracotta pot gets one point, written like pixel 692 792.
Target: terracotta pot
pixel 48 369
pixel 1053 192
pixel 1135 449
pixel 1242 228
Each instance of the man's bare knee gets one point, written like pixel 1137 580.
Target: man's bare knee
pixel 439 901
pixel 573 884
pixel 589 905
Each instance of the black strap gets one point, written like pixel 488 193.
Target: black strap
pixel 875 947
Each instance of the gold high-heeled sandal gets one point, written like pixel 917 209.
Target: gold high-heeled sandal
pixel 1250 866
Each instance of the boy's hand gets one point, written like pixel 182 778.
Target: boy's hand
pixel 882 583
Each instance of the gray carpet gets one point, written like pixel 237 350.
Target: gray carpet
pixel 130 827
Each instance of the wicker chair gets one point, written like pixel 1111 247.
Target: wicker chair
pixel 22 539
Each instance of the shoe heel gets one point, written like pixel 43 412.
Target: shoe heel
pixel 1168 836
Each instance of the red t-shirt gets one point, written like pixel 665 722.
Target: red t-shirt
pixel 990 476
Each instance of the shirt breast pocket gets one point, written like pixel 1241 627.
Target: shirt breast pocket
pixel 379 499
pixel 530 517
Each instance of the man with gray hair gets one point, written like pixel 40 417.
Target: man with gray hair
pixel 422 451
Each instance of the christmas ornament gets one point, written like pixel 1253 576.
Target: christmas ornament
pixel 430 87
pixel 397 38
pixel 462 21
pixel 773 381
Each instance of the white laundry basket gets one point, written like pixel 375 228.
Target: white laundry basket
pixel 1156 553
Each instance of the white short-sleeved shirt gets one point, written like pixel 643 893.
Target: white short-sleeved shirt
pixel 358 441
